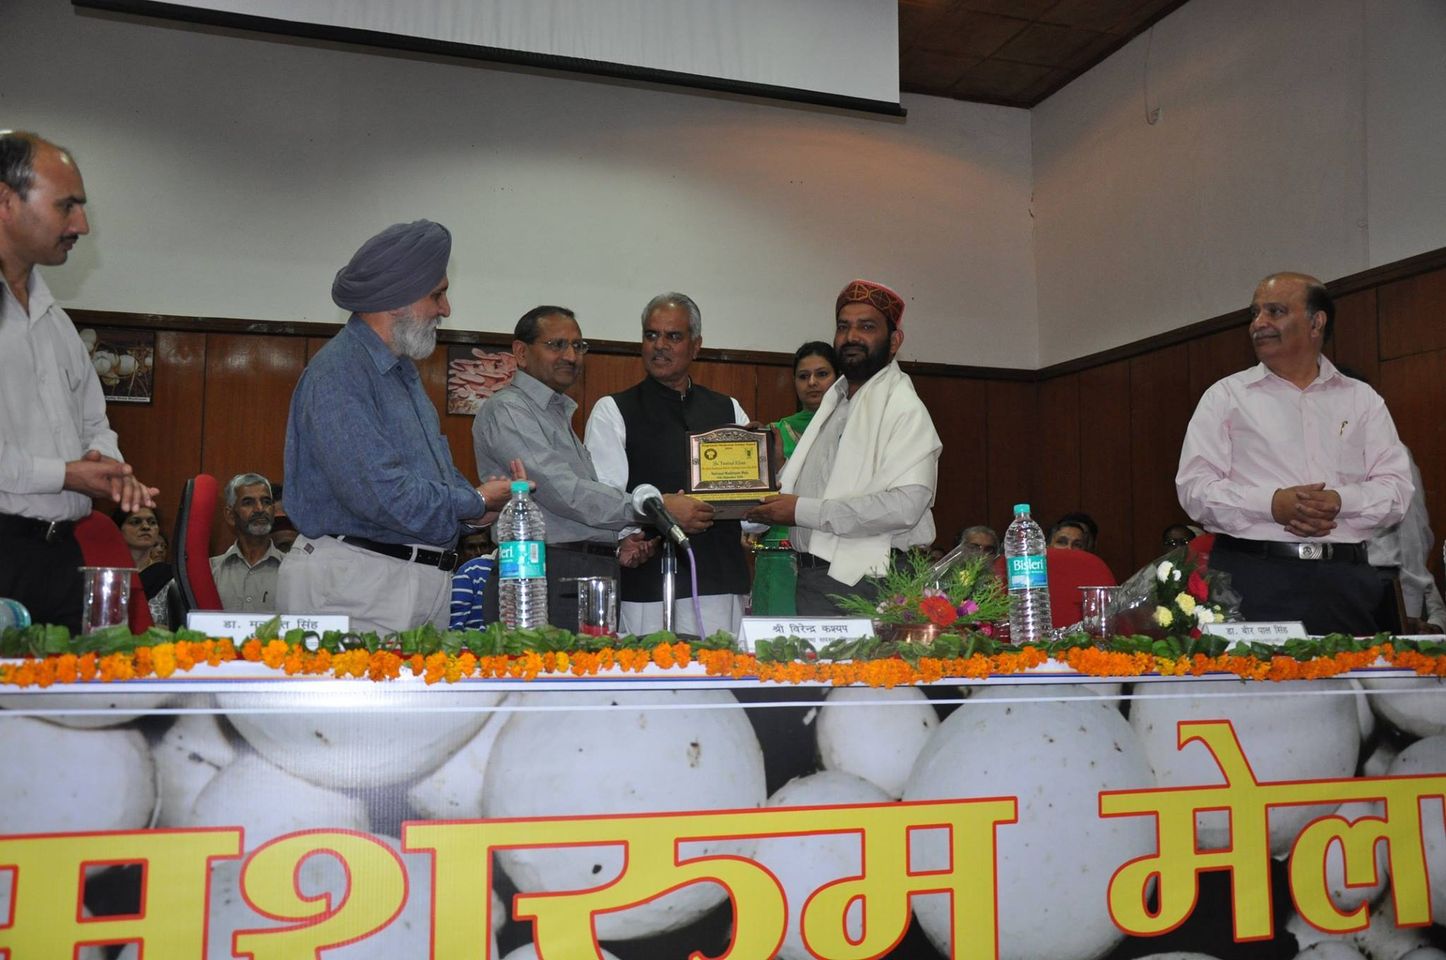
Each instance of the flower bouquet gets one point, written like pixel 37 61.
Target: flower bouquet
pixel 920 599
pixel 1173 596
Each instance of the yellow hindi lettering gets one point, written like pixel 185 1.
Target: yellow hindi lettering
pixel 884 889
pixel 376 891
pixel 48 873
pixel 564 921
pixel 1175 866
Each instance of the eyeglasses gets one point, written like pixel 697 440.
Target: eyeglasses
pixel 560 345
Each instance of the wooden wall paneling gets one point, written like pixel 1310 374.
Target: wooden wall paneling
pixel 162 439
pixel 1414 388
pixel 1105 489
pixel 1410 313
pixel 606 374
pixel 1057 482
pixel 1013 447
pixel 776 396
pixel 957 407
pixel 1355 341
pixel 1218 355
pixel 1159 412
pixel 737 380
pixel 249 382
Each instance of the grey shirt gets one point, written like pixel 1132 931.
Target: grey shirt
pixel 529 421
pixel 249 589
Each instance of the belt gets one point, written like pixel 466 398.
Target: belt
pixel 444 560
pixel 50 531
pixel 807 561
pixel 1310 550
pixel 591 547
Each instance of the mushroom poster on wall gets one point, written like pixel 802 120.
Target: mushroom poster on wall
pixel 473 375
pixel 1203 819
pixel 125 361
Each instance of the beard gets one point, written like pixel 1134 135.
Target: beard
pixel 413 337
pixel 858 367
pixel 258 526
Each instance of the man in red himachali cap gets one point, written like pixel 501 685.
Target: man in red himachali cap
pixel 861 481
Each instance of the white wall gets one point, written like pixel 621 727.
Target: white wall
pixel 1293 134
pixel 231 175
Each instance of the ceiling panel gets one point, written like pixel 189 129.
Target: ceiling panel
pixel 1012 52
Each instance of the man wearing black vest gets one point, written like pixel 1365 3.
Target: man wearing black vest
pixel 641 436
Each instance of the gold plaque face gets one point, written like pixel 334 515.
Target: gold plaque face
pixel 730 468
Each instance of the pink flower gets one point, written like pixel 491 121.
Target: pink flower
pixel 968 607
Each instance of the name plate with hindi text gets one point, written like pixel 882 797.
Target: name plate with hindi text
pixel 730 468
pixel 816 630
pixel 242 626
pixel 1258 632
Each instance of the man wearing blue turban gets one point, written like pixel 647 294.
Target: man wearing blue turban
pixel 370 482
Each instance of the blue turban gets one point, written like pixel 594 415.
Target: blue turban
pixel 397 267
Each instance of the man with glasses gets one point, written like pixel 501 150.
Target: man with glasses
pixel 530 420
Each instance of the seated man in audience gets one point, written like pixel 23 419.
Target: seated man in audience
pixel 982 541
pixel 860 484
pixel 1074 531
pixel 245 574
pixel 1293 466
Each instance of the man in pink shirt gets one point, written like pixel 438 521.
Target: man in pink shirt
pixel 1294 465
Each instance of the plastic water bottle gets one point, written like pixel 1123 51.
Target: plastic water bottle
pixel 522 560
pixel 1024 559
pixel 13 614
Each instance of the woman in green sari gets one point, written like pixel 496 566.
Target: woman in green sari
pixel 814 371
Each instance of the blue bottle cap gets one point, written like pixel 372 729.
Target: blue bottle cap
pixel 521 486
pixel 1021 508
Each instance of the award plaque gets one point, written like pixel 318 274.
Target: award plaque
pixel 730 468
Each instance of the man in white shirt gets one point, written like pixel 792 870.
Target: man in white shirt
pixel 640 435
pixel 57 449
pixel 246 573
pixel 1294 466
pixel 861 482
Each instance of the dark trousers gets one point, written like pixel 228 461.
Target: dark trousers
pixel 1327 596
pixel 43 576
pixel 563 569
pixel 814 588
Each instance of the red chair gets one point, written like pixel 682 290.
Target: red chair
pixel 1068 570
pixel 101 545
pixel 193 544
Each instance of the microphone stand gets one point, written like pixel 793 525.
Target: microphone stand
pixel 670 586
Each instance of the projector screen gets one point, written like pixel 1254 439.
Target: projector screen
pixel 835 52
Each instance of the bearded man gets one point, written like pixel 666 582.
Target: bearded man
pixel 860 484
pixel 245 574
pixel 370 482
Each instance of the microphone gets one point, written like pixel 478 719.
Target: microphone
pixel 648 501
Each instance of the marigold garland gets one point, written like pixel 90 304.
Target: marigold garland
pixel 166 659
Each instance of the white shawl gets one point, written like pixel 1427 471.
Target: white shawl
pixel 889 441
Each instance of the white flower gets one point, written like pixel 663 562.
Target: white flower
pixel 1162 572
pixel 1186 603
pixel 1204 614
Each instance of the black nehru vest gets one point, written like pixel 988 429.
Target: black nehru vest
pixel 658 420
